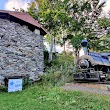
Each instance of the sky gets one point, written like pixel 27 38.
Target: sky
pixel 10 4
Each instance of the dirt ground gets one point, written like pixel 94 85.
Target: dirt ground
pixel 88 87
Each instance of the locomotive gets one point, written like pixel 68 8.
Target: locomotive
pixel 92 65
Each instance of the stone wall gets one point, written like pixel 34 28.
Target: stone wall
pixel 21 51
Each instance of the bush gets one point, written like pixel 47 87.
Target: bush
pixel 46 58
pixel 60 71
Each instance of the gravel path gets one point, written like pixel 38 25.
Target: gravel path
pixel 92 88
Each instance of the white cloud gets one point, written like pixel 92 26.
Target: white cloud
pixel 17 4
pixel 106 9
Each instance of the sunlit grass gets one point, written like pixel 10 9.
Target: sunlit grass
pixel 42 97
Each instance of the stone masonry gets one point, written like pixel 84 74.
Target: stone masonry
pixel 21 50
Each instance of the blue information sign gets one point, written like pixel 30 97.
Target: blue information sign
pixel 14 85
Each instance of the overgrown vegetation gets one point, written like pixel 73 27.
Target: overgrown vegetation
pixel 59 70
pixel 40 97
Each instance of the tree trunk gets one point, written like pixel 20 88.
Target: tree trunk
pixel 75 52
pixel 64 48
pixel 51 47
pixel 75 59
pixel 54 45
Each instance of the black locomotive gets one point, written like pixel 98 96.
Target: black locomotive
pixel 91 65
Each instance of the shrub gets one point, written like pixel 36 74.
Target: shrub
pixel 46 58
pixel 60 71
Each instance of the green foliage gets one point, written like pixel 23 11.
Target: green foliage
pixel 105 40
pixel 52 16
pixel 46 57
pixel 3 89
pixel 79 24
pixel 59 71
pixel 44 97
pixel 49 14
pixel 75 40
pixel 67 18
pixel 104 22
pixel 32 9
pixel 26 82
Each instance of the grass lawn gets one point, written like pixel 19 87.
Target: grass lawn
pixel 39 97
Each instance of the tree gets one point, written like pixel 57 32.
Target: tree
pixel 84 16
pixel 77 18
pixel 104 23
pixel 52 16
